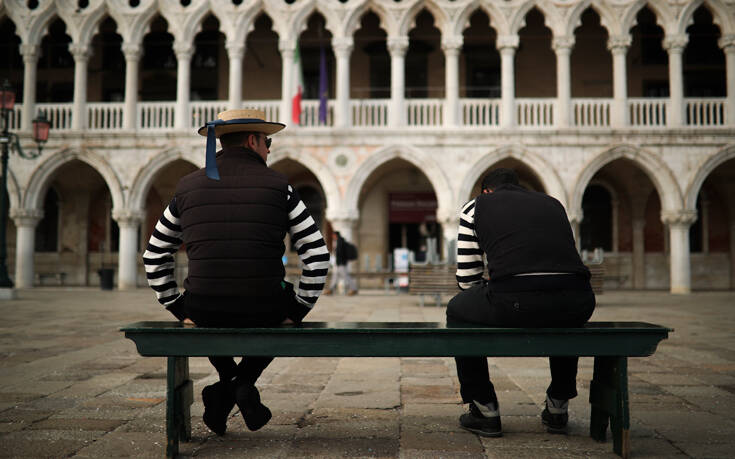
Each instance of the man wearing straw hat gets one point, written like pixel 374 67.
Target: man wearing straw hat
pixel 233 216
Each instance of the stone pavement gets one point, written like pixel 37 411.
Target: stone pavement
pixel 72 386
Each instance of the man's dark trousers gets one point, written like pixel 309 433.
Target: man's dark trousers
pixel 563 300
pixel 239 312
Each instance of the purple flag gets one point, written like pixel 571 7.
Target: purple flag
pixel 323 91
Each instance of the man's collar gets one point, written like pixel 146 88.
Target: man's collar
pixel 241 152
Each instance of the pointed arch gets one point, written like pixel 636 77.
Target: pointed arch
pixel 498 21
pixel 552 20
pixel 355 16
pixel 237 21
pixel 301 18
pixel 325 177
pixel 184 25
pixel 712 163
pixel 421 161
pixel 39 181
pixel 82 25
pixel 657 170
pixel 14 193
pixel 132 23
pixel 664 15
pixel 147 174
pixel 544 171
pixel 409 17
pixel 33 30
pixel 721 16
pixel 608 19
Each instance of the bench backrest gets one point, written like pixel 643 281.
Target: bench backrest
pixel 396 339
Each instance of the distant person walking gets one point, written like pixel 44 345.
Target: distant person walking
pixel 344 252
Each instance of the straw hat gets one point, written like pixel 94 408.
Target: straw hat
pixel 246 120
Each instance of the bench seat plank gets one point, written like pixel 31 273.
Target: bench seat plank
pixel 396 339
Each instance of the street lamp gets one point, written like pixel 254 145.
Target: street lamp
pixel 10 140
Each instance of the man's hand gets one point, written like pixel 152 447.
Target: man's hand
pixel 288 322
pixel 187 321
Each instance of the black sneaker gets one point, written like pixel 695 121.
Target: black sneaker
pixel 255 414
pixel 219 399
pixel 555 418
pixel 478 423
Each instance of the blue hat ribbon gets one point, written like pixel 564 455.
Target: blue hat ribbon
pixel 211 160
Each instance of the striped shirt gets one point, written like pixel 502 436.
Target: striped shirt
pixel 306 238
pixel 470 265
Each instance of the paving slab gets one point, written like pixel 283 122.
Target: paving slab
pixel 72 386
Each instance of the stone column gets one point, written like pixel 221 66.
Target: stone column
pixel 346 226
pixel 639 253
pixel 575 219
pixel 26 221
pixel 235 53
pixel 397 46
pixel 287 48
pixel 182 117
pixel 727 43
pixel 132 59
pixel 30 62
pixel 563 49
pixel 732 252
pixel 507 45
pixel 679 261
pixel 705 225
pixel 451 47
pixel 618 46
pixel 127 269
pixel 615 230
pixel 343 49
pixel 450 226
pixel 674 45
pixel 79 110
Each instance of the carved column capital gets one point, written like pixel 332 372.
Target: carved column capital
pixel 79 51
pixel 343 46
pixel 29 52
pixel 128 217
pixel 286 46
pixel 26 217
pixel 507 42
pixel 675 43
pixel 397 46
pixel 679 218
pixel 562 44
pixel 452 45
pixel 235 50
pixel 183 51
pixel 131 51
pixel 727 43
pixel 619 44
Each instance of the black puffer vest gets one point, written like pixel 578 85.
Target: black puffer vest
pixel 234 227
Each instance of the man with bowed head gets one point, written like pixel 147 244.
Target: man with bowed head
pixel 537 279
pixel 233 216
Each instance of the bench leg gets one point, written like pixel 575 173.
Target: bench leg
pixel 179 397
pixel 609 400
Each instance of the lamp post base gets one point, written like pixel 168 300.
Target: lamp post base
pixel 7 293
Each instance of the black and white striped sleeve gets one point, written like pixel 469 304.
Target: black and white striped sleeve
pixel 158 258
pixel 469 254
pixel 312 250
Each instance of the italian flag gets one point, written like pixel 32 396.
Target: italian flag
pixel 297 86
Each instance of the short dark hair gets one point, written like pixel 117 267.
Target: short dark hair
pixel 235 139
pixel 500 176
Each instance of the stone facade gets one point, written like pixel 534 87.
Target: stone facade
pixel 568 103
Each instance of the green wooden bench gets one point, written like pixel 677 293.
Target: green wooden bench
pixel 610 343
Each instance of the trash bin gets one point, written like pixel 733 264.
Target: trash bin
pixel 106 277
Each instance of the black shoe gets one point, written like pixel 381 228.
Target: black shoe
pixel 476 422
pixel 555 423
pixel 255 414
pixel 219 399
